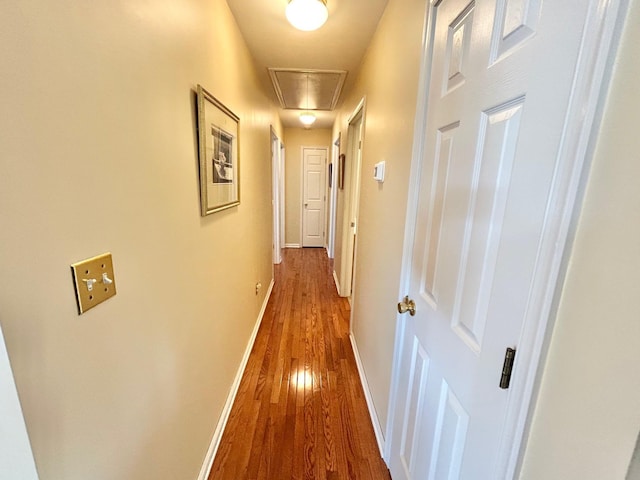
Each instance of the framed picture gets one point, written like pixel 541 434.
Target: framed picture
pixel 341 159
pixel 218 129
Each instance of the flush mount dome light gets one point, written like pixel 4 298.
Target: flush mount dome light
pixel 307 118
pixel 307 15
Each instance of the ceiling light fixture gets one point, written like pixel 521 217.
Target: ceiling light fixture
pixel 307 15
pixel 307 118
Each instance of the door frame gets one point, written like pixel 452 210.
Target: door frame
pixel 333 197
pixel 352 203
pixel 584 112
pixel 302 149
pixel 277 196
pixel 283 199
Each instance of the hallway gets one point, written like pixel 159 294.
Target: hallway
pixel 300 412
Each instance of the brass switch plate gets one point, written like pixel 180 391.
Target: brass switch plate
pixel 94 281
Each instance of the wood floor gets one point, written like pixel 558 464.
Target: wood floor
pixel 300 412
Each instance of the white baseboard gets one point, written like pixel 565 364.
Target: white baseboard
pixel 367 395
pixel 226 410
pixel 335 279
pixel 292 245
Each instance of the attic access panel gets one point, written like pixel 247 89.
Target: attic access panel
pixel 324 88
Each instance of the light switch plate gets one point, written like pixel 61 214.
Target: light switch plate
pixel 94 281
pixel 378 171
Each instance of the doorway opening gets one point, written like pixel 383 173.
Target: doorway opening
pixel 355 140
pixel 332 173
pixel 277 200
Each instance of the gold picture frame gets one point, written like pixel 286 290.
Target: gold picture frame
pixel 218 153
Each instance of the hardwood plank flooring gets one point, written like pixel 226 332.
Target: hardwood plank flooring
pixel 300 411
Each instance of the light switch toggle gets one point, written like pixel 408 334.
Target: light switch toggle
pixel 90 283
pixel 105 279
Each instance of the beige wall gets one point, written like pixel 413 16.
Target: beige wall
pixel 99 153
pixel 389 81
pixel 294 139
pixel 588 416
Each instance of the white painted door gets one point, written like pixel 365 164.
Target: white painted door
pixel 501 75
pixel 313 196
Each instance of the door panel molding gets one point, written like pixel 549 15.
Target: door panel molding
pixel 499 130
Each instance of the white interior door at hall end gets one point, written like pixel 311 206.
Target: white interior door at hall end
pixel 500 80
pixel 313 218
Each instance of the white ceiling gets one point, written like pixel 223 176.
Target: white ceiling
pixel 338 45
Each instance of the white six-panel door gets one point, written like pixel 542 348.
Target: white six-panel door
pixel 500 82
pixel 314 162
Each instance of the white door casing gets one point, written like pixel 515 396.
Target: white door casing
pixel 333 196
pixel 355 199
pixel 512 88
pixel 282 164
pixel 355 140
pixel 276 197
pixel 314 161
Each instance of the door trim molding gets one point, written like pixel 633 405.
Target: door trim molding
pixel 348 257
pixel 597 49
pixel 276 197
pixel 333 197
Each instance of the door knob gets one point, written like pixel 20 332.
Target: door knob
pixel 407 305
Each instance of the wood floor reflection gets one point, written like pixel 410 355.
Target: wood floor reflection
pixel 300 412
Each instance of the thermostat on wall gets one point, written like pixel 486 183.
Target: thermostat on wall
pixel 378 171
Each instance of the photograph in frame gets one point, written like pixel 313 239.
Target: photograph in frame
pixel 219 159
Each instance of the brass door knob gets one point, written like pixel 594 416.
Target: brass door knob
pixel 407 305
